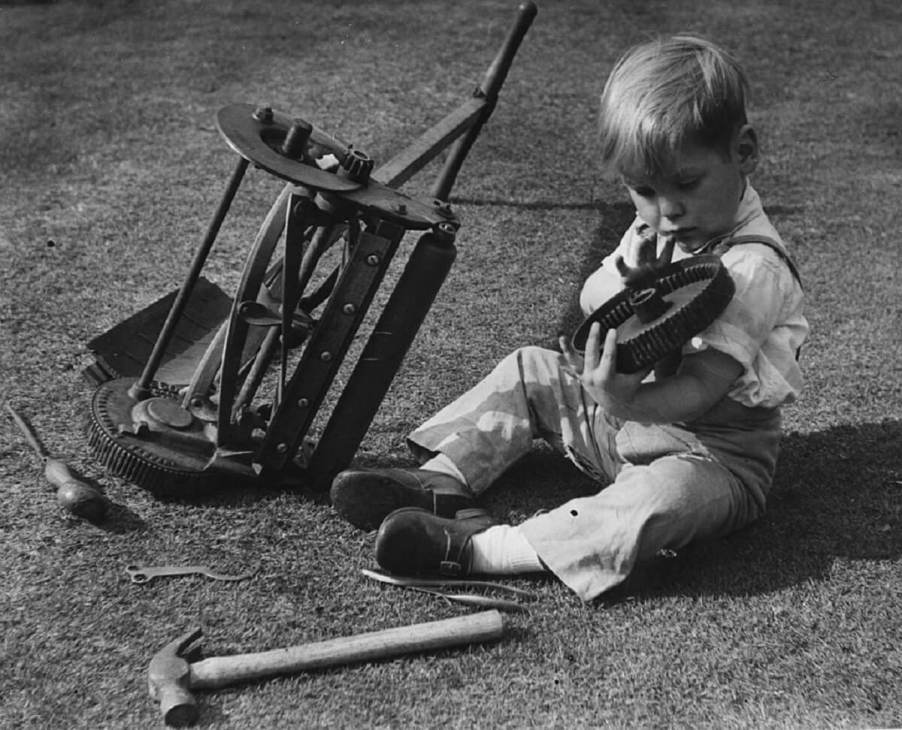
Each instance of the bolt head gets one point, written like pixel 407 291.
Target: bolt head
pixel 263 114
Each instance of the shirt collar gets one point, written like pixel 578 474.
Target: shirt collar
pixel 749 208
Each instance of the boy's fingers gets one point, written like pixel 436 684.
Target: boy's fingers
pixel 646 251
pixel 571 357
pixel 593 347
pixel 564 344
pixel 608 364
pixel 667 252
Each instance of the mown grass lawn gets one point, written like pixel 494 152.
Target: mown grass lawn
pixel 111 168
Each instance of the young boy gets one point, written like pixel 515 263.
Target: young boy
pixel 687 452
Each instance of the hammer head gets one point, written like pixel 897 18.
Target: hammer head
pixel 168 679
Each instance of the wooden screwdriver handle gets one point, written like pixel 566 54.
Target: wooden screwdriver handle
pixel 59 475
pixel 417 638
pixel 74 495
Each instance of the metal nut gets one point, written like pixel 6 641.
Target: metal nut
pixel 263 114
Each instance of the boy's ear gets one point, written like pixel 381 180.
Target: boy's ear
pixel 747 149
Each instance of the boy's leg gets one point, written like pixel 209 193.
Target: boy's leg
pixel 528 395
pixel 591 544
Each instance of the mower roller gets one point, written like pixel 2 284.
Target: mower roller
pixel 229 394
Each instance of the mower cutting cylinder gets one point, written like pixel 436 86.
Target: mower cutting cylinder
pixel 413 295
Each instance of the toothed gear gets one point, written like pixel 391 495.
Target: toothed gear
pixel 155 464
pixel 357 165
pixel 700 288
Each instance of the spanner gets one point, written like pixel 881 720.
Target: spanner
pixel 144 574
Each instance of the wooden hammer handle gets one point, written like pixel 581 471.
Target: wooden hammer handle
pixel 473 628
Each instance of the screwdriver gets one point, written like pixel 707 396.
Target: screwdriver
pixel 75 496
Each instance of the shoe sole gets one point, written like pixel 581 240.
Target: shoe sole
pixel 366 501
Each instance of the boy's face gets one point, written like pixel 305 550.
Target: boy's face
pixel 696 196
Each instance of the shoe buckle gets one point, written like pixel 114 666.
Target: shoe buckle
pixel 450 567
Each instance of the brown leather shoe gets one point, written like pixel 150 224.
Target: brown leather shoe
pixel 365 498
pixel 413 541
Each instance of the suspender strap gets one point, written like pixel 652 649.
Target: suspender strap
pixel 721 248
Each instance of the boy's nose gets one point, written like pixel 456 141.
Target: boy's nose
pixel 671 208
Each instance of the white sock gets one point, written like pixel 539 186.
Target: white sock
pixel 444 465
pixel 502 550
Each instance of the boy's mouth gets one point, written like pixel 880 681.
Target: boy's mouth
pixel 685 237
pixel 680 234
pixel 689 240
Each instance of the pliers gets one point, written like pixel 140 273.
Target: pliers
pixel 433 586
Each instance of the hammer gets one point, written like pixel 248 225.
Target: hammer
pixel 171 678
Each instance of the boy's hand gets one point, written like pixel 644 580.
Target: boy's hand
pixel 648 264
pixel 702 380
pixel 597 372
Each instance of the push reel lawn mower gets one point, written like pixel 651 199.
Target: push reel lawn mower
pixel 231 387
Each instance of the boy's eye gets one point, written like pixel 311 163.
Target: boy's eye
pixel 688 183
pixel 643 192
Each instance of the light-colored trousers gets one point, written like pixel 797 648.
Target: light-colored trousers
pixel 667 485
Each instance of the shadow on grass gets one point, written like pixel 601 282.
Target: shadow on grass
pixel 614 220
pixel 121 520
pixel 837 494
pixel 537 204
pixel 240 495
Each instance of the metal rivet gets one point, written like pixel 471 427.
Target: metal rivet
pixel 303 403
pixel 349 308
pixel 282 448
pixel 372 259
pixel 325 356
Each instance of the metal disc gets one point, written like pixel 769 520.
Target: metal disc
pixel 165 464
pixel 260 140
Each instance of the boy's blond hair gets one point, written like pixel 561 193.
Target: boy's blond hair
pixel 666 92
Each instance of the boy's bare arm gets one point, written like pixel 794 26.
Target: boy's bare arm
pixel 701 381
pixel 599 288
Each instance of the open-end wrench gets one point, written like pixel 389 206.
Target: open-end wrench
pixel 144 574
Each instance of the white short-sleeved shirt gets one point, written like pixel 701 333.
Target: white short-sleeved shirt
pixel 762 327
